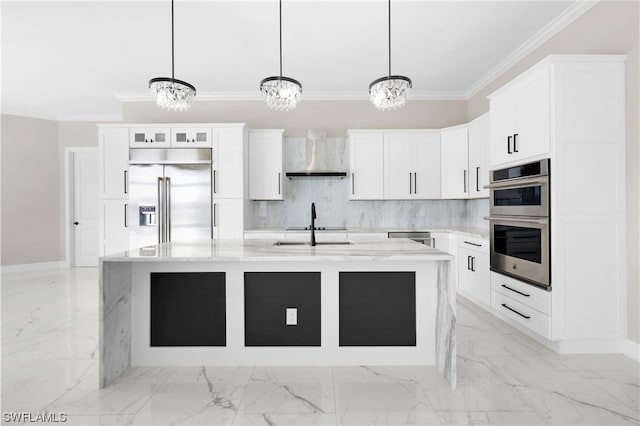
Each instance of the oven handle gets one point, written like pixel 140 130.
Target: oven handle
pixel 518 182
pixel 525 219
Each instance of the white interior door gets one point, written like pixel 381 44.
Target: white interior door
pixel 85 208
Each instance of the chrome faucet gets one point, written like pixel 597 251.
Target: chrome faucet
pixel 313 224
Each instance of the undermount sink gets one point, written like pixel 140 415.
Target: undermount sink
pixel 307 243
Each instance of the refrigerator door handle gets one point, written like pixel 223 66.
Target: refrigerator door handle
pixel 160 212
pixel 167 188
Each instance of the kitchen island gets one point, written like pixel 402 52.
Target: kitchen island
pixel 250 302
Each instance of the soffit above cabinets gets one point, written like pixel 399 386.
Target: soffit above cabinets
pixel 93 55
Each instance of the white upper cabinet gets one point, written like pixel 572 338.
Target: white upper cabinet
pixel 520 118
pixel 455 158
pixel 427 167
pixel 229 162
pixel 265 164
pixel 149 137
pixel 113 164
pixel 411 165
pixel 366 159
pixel 191 137
pixel 478 157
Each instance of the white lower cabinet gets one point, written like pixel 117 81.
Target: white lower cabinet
pixel 522 314
pixel 474 281
pixel 114 230
pixel 442 241
pixel 227 223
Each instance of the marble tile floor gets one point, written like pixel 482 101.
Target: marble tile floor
pixel 49 364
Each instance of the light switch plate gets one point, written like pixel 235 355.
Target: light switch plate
pixel 292 316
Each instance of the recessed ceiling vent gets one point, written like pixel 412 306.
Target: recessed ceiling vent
pixel 318 158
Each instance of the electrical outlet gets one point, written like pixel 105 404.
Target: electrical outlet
pixel 292 316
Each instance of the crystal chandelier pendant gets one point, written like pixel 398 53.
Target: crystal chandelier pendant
pixel 390 92
pixel 171 93
pixel 281 93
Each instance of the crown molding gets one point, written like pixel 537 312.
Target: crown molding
pixel 572 13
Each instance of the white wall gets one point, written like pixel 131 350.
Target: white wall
pixel 31 194
pixel 610 27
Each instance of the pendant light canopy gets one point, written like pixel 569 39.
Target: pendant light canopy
pixel 169 92
pixel 391 91
pixel 281 93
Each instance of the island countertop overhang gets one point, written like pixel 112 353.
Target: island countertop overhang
pixel 265 250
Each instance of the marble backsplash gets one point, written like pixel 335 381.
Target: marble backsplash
pixel 333 208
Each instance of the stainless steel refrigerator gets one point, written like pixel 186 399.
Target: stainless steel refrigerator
pixel 169 195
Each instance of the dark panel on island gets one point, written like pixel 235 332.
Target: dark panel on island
pixel 377 309
pixel 188 309
pixel 267 295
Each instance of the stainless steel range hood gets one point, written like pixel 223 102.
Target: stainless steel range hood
pixel 317 158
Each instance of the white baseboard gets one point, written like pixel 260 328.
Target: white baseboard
pixel 632 350
pixel 26 267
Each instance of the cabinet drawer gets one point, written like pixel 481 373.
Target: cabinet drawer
pixel 526 294
pixel 472 243
pixel 522 314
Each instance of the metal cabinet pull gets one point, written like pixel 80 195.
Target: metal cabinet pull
pixel 464 180
pixel 468 263
pixel 515 142
pixel 215 215
pixel 125 215
pixel 516 291
pixel 126 182
pixel 513 310
pixel 353 183
pixel 509 145
pixel 215 191
pixel 410 184
pixel 415 183
pixel 279 183
pixel 473 244
pixel 477 179
pixel 473 263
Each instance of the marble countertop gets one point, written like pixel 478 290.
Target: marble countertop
pixel 264 250
pixel 471 232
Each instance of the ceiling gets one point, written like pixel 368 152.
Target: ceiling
pixel 80 59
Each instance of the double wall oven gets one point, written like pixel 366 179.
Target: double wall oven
pixel 520 223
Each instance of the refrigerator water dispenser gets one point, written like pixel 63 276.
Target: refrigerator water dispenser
pixel 147 215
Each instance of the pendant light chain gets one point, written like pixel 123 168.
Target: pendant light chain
pixel 389 38
pixel 280 11
pixel 173 75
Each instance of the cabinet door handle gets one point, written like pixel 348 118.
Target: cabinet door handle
pixel 516 291
pixel 477 179
pixel 125 215
pixel 515 142
pixel 279 174
pixel 464 180
pixel 410 184
pixel 126 182
pixel 504 305
pixel 353 183
pixel 215 191
pixel 473 263
pixel 509 145
pixel 468 263
pixel 215 215
pixel 473 244
pixel 415 183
